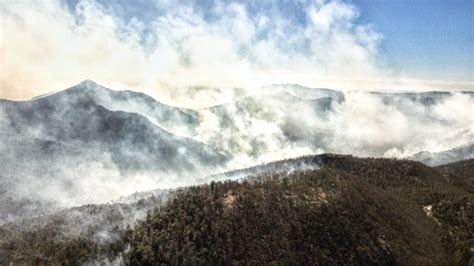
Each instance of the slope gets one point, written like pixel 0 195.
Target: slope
pixel 342 210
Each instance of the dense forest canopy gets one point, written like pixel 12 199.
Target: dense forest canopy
pixel 347 210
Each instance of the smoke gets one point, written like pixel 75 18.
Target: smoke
pixel 267 128
pixel 364 123
pixel 48 46
pixel 254 130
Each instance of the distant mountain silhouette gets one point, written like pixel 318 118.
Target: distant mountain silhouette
pixel 459 153
pixel 425 98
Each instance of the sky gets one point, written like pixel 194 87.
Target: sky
pixel 160 47
pixel 426 39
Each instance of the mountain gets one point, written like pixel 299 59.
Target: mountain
pixel 460 153
pixel 65 141
pixel 340 210
pixel 306 92
pixel 426 98
pixel 134 142
pixel 177 120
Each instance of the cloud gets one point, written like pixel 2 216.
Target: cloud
pixel 48 46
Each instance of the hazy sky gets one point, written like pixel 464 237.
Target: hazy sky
pixel 161 46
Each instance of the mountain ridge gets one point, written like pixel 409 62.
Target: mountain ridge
pixel 455 154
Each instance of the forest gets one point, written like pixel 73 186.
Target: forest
pixel 348 210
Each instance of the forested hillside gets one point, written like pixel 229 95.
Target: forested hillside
pixel 349 211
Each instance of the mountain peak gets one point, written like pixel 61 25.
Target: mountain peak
pixel 88 83
pixel 88 86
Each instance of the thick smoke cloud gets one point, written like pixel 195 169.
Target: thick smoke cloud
pixel 272 127
pixel 371 128
pixel 47 45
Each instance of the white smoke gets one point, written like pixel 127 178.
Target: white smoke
pixel 47 46
pixel 267 128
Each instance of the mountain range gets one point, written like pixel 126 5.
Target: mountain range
pixel 87 136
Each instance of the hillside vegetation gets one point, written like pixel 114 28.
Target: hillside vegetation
pixel 350 211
